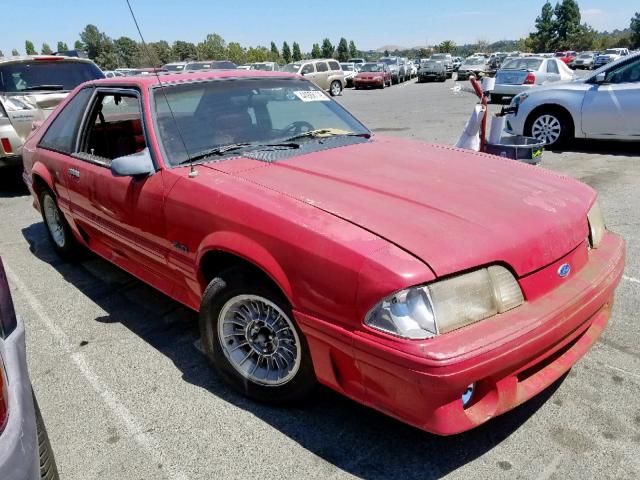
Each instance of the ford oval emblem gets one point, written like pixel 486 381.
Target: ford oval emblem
pixel 564 270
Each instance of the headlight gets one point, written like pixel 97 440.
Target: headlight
pixel 379 77
pixel 519 99
pixel 596 225
pixel 428 310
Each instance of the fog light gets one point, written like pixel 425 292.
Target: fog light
pixel 468 395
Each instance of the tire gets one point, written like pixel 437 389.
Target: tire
pixel 383 84
pixel 48 468
pixel 58 229
pixel 335 88
pixel 444 79
pixel 552 126
pixel 253 309
pixel 496 98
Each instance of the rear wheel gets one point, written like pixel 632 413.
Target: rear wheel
pixel 249 333
pixel 48 469
pixel 60 234
pixel 552 127
pixel 336 88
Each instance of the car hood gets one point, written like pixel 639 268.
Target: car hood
pixel 451 208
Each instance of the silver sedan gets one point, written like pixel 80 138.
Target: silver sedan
pixel 520 74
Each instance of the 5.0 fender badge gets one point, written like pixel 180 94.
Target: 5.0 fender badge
pixel 564 270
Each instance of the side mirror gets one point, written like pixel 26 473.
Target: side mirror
pixel 601 77
pixel 135 165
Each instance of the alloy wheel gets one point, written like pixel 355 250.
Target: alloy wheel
pixel 54 222
pixel 547 128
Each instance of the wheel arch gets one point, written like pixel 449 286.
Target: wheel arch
pixel 224 250
pixel 550 107
pixel 41 179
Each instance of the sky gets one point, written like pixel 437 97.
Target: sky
pixel 371 24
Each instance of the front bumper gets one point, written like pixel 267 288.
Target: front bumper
pixel 368 83
pixel 19 455
pixel 510 357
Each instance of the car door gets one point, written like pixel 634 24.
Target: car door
pixel 308 71
pixel 610 108
pixel 121 217
pixel 322 75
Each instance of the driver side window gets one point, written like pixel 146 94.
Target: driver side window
pixel 308 68
pixel 114 128
pixel 628 73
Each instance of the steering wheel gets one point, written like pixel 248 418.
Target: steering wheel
pixel 295 128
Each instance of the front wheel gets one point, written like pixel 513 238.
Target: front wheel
pixel 335 89
pixel 550 127
pixel 249 333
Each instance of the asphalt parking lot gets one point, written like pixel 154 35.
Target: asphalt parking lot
pixel 125 393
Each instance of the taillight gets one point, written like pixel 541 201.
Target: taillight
pixel 7 313
pixel 530 80
pixel 6 145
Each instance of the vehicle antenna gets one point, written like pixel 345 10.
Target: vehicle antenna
pixel 192 171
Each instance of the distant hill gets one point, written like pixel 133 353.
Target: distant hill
pixel 391 48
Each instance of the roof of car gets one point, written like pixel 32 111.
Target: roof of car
pixel 145 81
pixel 42 58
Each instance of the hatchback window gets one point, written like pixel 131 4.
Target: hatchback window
pixel 334 66
pixel 322 67
pixel 42 75
pixel 115 127
pixel 61 134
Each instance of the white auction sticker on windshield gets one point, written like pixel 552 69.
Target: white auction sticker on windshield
pixel 311 96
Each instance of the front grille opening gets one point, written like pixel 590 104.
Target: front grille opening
pixel 531 371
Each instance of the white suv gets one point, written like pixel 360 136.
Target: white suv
pixel 603 106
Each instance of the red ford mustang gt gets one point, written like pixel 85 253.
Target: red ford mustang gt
pixel 440 286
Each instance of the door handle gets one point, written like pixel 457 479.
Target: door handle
pixel 74 172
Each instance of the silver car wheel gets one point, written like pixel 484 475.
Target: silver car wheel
pixel 546 128
pixel 336 88
pixel 259 340
pixel 54 222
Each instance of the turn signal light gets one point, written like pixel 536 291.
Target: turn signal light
pixel 530 80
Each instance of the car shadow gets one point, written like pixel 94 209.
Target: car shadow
pixel 11 183
pixel 354 438
pixel 601 147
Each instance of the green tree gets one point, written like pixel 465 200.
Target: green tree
pixel 567 21
pixel 343 50
pixel 161 52
pixel 78 45
pixel 448 46
pixel 29 48
pixel 181 50
pixel 258 54
pixel 127 52
pixel 315 51
pixel 327 48
pixel 635 30
pixel 386 53
pixel 213 48
pixel 93 41
pixel 581 39
pixel 46 49
pixel 544 38
pixel 353 50
pixel 15 52
pixel 236 53
pixel 107 58
pixel 1 54
pixel 62 47
pixel 297 54
pixel 286 52
pixel 275 53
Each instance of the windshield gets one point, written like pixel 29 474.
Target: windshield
pixel 267 67
pixel 586 55
pixel 291 68
pixel 431 63
pixel 388 61
pixel 46 75
pixel 611 51
pixel 522 64
pixel 439 56
pixel 255 111
pixel 347 67
pixel 221 65
pixel 474 61
pixel 372 67
pixel 174 68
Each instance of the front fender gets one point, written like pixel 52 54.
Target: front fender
pixel 249 250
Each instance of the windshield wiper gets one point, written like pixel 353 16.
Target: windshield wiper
pixel 44 87
pixel 221 150
pixel 326 132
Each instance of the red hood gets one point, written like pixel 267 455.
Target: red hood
pixel 453 209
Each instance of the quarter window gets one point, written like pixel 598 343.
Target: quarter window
pixel 322 67
pixel 61 134
pixel 334 65
pixel 552 67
